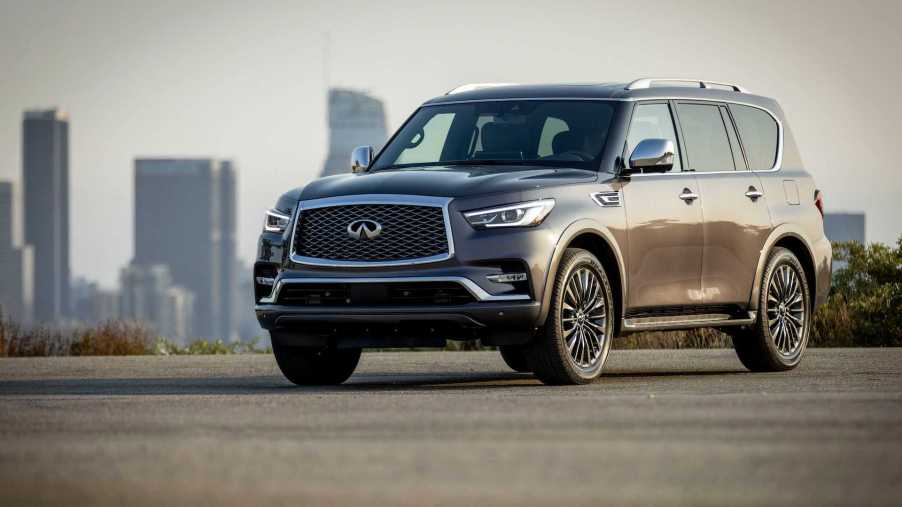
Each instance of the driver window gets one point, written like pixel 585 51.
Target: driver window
pixel 426 145
pixel 653 121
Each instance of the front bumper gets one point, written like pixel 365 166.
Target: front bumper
pixel 494 323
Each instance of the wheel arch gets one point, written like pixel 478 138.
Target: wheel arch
pixel 597 239
pixel 796 242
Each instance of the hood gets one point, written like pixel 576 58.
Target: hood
pixel 444 181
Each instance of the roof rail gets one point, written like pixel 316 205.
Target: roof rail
pixel 476 86
pixel 647 81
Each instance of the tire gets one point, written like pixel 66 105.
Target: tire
pixel 515 357
pixel 778 339
pixel 573 344
pixel 306 366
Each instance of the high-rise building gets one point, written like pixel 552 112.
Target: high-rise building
pixel 92 304
pixel 16 265
pixel 185 220
pixel 45 164
pixel 228 250
pixel 355 119
pixel 148 295
pixel 845 226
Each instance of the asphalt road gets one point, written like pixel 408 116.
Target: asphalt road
pixel 660 428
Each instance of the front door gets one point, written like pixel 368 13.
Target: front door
pixel 664 218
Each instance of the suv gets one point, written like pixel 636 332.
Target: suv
pixel 547 220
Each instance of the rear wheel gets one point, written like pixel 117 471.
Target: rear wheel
pixel 515 357
pixel 307 366
pixel 777 341
pixel 574 342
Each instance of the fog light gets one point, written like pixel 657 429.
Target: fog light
pixel 265 280
pixel 507 278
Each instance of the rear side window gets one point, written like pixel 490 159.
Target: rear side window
pixel 707 144
pixel 759 134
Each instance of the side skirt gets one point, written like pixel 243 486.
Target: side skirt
pixel 672 322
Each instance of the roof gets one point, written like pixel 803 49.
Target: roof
pixel 618 91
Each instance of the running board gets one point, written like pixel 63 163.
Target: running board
pixel 687 321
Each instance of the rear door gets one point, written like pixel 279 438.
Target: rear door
pixel 664 219
pixel 736 220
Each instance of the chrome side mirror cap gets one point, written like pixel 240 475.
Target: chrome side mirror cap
pixel 361 158
pixel 652 156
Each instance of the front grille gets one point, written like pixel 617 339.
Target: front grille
pixel 408 232
pixel 375 294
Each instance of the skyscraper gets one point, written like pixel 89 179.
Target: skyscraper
pixel 355 119
pixel 228 250
pixel 16 270
pixel 45 161
pixel 148 295
pixel 845 226
pixel 185 220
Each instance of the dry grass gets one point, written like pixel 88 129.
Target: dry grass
pixel 691 339
pixel 113 338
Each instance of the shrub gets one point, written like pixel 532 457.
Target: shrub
pixel 112 338
pixel 865 303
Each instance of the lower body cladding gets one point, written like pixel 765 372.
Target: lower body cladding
pixel 393 312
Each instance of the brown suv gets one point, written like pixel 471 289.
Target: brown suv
pixel 546 220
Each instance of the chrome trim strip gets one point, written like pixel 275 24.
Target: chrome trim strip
pixel 778 163
pixel 349 200
pixel 687 321
pixel 471 286
pixel 607 199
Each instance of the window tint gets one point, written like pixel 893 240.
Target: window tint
pixel 707 145
pixel 426 144
pixel 553 127
pixel 734 141
pixel 652 121
pixel 758 131
pixel 502 133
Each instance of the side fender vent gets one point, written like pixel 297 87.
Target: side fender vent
pixel 607 199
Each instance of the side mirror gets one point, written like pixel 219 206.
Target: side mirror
pixel 652 156
pixel 361 158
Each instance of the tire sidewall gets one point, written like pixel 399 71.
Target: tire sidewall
pixel 581 259
pixel 783 257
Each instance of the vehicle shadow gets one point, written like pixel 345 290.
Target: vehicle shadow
pixel 362 382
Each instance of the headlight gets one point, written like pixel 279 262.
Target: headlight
pixel 275 221
pixel 525 214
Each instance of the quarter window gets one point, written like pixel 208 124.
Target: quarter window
pixel 759 134
pixel 707 144
pixel 653 121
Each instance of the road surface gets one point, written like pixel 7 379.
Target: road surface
pixel 422 428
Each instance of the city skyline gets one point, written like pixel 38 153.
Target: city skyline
pixel 161 80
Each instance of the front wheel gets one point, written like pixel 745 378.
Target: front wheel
pixel 515 357
pixel 574 342
pixel 306 366
pixel 777 341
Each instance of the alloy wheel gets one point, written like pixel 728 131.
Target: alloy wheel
pixel 786 311
pixel 584 317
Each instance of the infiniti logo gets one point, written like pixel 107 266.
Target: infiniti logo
pixel 364 229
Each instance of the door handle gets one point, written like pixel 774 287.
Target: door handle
pixel 753 193
pixel 688 195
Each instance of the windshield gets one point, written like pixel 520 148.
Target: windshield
pixel 517 132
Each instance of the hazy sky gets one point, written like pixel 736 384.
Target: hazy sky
pixel 245 80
